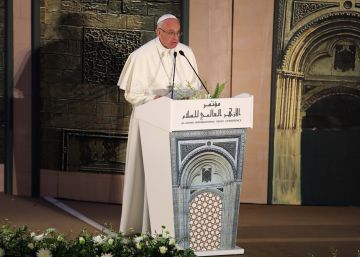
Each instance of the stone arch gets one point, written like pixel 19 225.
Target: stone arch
pixel 206 156
pixel 319 94
pixel 221 184
pixel 291 100
pixel 321 28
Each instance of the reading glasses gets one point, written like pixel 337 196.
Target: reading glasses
pixel 172 33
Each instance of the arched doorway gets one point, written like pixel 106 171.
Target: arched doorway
pixel 330 151
pixel 320 70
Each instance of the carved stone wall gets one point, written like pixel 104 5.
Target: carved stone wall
pixel 317 56
pixel 84 45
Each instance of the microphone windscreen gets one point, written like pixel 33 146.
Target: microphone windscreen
pixel 175 54
pixel 181 52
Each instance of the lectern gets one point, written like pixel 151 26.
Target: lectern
pixel 193 157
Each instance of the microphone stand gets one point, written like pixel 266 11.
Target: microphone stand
pixel 173 79
pixel 202 83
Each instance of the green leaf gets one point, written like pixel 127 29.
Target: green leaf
pixel 218 90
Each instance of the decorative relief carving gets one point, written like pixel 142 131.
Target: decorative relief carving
pixel 105 53
pixel 206 174
pixel 189 139
pixel 207 150
pixel 290 74
pixel 345 57
pixel 303 9
pixel 185 149
pixel 280 27
pixel 295 38
pixel 93 151
pixel 309 100
pixel 230 147
pixel 347 4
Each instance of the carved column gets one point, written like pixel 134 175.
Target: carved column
pixel 287 138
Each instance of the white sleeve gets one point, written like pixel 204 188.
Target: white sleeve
pixel 137 98
pixel 136 91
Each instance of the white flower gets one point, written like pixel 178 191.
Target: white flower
pixel 110 241
pixel 43 253
pixel 50 230
pixel 99 239
pixel 38 237
pixel 178 247
pixel 165 234
pixel 30 245
pixel 81 240
pixel 138 239
pixel 138 246
pixel 106 255
pixel 162 249
pixel 2 252
pixel 172 241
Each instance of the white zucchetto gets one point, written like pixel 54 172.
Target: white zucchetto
pixel 165 17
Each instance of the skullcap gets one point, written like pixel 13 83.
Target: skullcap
pixel 165 17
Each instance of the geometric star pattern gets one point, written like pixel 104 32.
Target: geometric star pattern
pixel 205 222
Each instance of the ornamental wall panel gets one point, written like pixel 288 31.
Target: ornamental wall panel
pixel 316 59
pixel 207 171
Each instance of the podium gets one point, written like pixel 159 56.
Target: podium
pixel 193 157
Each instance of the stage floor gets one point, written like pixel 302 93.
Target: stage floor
pixel 263 231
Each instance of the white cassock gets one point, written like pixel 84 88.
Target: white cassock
pixel 147 73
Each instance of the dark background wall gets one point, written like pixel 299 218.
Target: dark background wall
pixel 84 45
pixel 2 79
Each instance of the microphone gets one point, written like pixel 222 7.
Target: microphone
pixel 202 83
pixel 173 79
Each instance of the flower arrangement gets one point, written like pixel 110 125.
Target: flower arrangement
pixel 20 241
pixel 189 92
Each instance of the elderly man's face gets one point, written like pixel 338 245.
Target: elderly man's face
pixel 169 33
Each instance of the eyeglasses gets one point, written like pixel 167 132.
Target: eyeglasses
pixel 171 33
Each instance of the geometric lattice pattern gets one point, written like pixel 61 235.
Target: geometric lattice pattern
pixel 302 9
pixel 205 222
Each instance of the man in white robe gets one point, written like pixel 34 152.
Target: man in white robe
pixel 147 75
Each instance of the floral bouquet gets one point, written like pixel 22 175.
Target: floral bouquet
pixel 22 242
pixel 189 92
